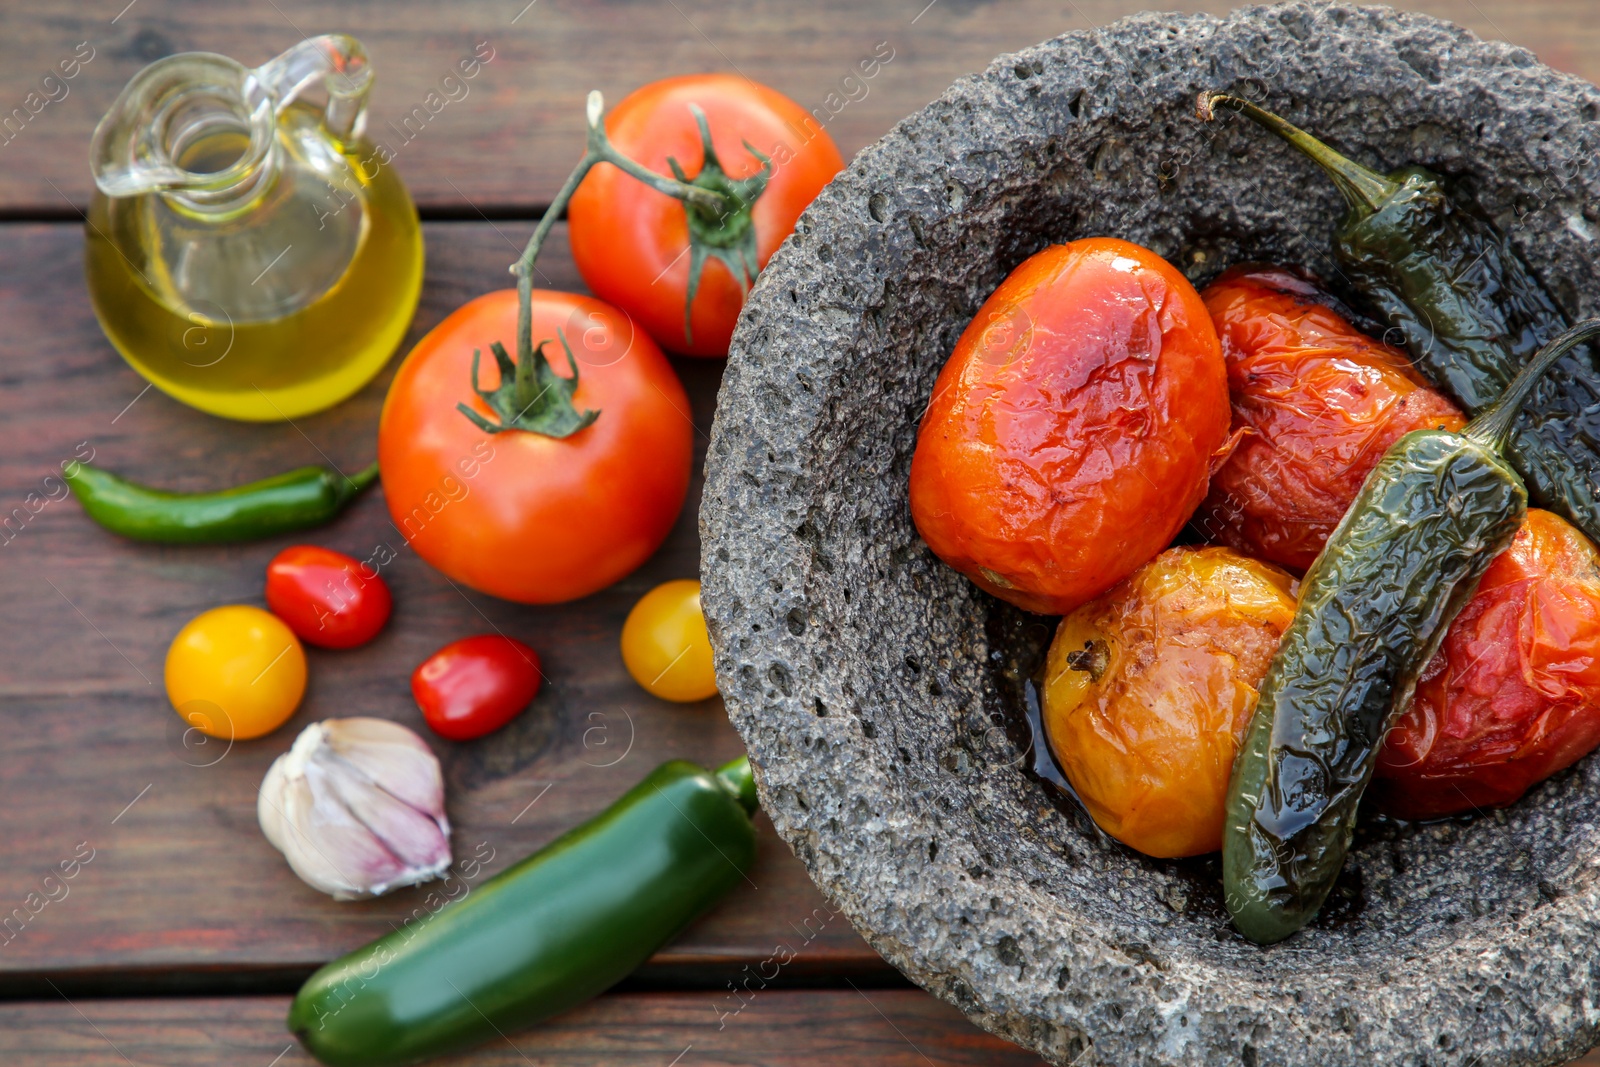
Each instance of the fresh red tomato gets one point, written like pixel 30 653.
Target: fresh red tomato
pixel 1513 694
pixel 519 514
pixel 631 243
pixel 327 597
pixel 476 685
pixel 1071 433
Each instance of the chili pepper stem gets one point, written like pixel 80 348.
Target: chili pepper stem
pixel 1364 190
pixel 355 483
pixel 1492 427
pixel 738 779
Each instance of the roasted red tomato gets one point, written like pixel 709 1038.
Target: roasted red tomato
pixel 1148 690
pixel 1070 434
pixel 476 685
pixel 1513 694
pixel 327 597
pixel 1316 403
pixel 560 479
pixel 632 243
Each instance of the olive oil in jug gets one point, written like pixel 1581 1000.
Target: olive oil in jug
pixel 250 253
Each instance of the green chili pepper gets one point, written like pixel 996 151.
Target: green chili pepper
pixel 285 503
pixel 1374 606
pixel 548 933
pixel 1472 313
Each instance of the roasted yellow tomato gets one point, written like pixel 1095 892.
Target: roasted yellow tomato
pixel 1149 687
pixel 235 672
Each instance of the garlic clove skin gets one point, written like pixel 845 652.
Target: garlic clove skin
pixel 388 752
pixel 357 808
pixel 414 838
pixel 326 845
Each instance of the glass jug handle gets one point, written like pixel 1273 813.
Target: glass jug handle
pixel 336 61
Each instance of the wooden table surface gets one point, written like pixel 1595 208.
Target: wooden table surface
pixel 182 937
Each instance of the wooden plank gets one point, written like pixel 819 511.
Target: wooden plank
pixel 776 1028
pixel 180 876
pixel 509 141
pixel 883 1028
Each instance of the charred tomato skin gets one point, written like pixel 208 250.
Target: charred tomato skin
pixel 1513 694
pixel 1316 403
pixel 1148 690
pixel 1070 435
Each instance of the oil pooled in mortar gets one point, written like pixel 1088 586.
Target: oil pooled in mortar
pixel 1021 642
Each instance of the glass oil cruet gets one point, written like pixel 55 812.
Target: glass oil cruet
pixel 249 251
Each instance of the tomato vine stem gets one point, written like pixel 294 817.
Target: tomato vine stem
pixel 531 396
pixel 718 208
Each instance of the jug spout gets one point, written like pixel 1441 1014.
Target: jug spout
pixel 200 127
pixel 335 61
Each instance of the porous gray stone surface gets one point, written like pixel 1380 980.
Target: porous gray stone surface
pixel 867 678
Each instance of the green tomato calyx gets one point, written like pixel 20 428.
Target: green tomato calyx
pixel 727 230
pixel 531 396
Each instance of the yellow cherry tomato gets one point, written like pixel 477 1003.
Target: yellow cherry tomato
pixel 235 672
pixel 665 645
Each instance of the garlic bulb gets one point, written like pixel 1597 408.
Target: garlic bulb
pixel 357 808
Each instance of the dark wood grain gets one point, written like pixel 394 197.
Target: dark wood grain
pixel 183 879
pixel 839 1028
pixel 507 144
pixel 884 1028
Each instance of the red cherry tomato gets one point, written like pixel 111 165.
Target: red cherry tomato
pixel 476 685
pixel 326 597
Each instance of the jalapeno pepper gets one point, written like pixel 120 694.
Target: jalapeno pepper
pixel 546 934
pixel 1471 312
pixel 1429 520
pixel 285 503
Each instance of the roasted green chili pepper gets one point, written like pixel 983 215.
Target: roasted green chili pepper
pixel 548 933
pixel 1432 264
pixel 1373 607
pixel 285 503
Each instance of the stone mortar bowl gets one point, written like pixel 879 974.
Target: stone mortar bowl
pixel 876 688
